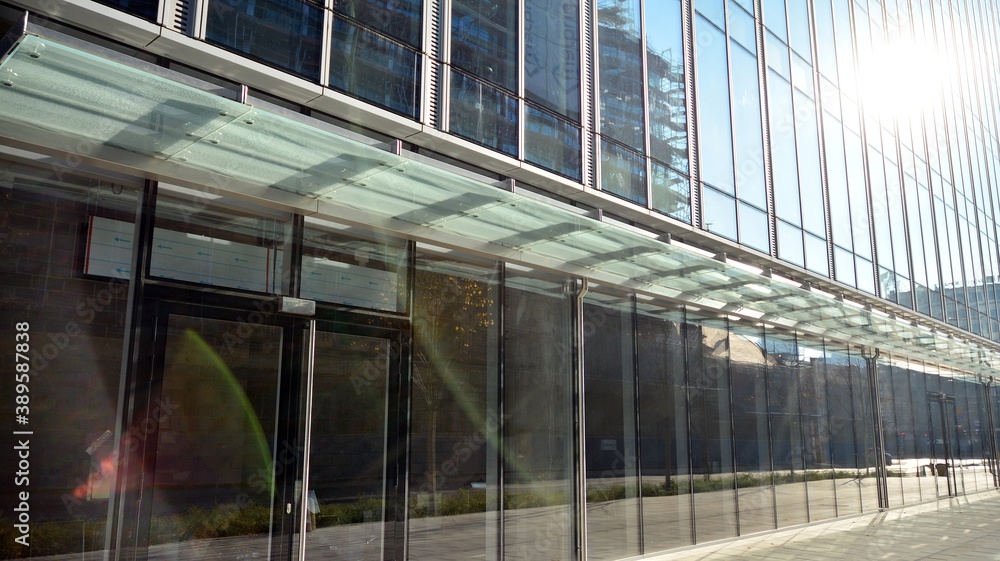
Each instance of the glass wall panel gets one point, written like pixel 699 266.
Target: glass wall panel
pixel 748 136
pixel 620 54
pixel 623 172
pixel 890 429
pixel 720 212
pixel 754 474
pixel 344 266
pixel 64 333
pixel 753 228
pixel 783 160
pixel 484 40
pixel 816 430
pixel 400 19
pixel 483 114
pixel 864 431
pixel 286 34
pixel 787 450
pixel 901 445
pixel 666 479
pixel 665 75
pixel 375 69
pixel 199 242
pixel 454 473
pixel 843 434
pixel 552 143
pixel 671 193
pixel 711 429
pixel 552 55
pixel 715 148
pixel 611 437
pixel 923 432
pixel 538 421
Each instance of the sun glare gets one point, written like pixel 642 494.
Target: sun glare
pixel 902 79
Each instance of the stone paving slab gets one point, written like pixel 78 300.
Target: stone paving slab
pixel 962 528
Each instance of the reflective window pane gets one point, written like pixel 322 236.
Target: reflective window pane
pixel 748 137
pixel 375 69
pixel 286 34
pixel 666 502
pixel 552 55
pixel 665 72
pixel 620 61
pixel 400 19
pixel 720 213
pixel 538 427
pixel 552 143
pixel 715 128
pixel 484 40
pixel 483 114
pixel 611 437
pixel 74 327
pixel 454 472
pixel 344 266
pixel 623 173
pixel 198 242
pixel 671 193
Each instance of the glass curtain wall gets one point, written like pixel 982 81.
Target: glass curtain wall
pixel 539 509
pixel 65 331
pixel 667 514
pixel 642 139
pixel 455 411
pixel 611 442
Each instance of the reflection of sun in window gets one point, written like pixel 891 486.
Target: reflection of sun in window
pixel 902 79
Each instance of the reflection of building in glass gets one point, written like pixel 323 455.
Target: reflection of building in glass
pixel 476 279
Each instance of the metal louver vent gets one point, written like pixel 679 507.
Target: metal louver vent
pixel 179 16
pixel 434 89
pixel 589 138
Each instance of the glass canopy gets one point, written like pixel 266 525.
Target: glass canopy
pixel 57 86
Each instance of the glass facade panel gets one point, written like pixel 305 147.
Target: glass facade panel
pixel 399 19
pixel 755 476
pixel 552 143
pixel 620 61
pixel 720 213
pixel 666 481
pixel 623 173
pixel 552 56
pixel 484 40
pixel 214 466
pixel 538 429
pixel 787 449
pixel 213 246
pixel 671 193
pixel 344 266
pixel 68 328
pixel 714 482
pixel 454 492
pixel 665 74
pixel 753 228
pixel 145 9
pixel 611 437
pixel 375 69
pixel 749 143
pixel 286 34
pixel 483 114
pixel 715 127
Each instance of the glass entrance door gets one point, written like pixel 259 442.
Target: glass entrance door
pixel 351 473
pixel 269 437
pixel 942 422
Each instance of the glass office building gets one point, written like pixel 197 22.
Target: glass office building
pixel 490 279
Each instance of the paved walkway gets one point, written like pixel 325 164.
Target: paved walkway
pixel 959 529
